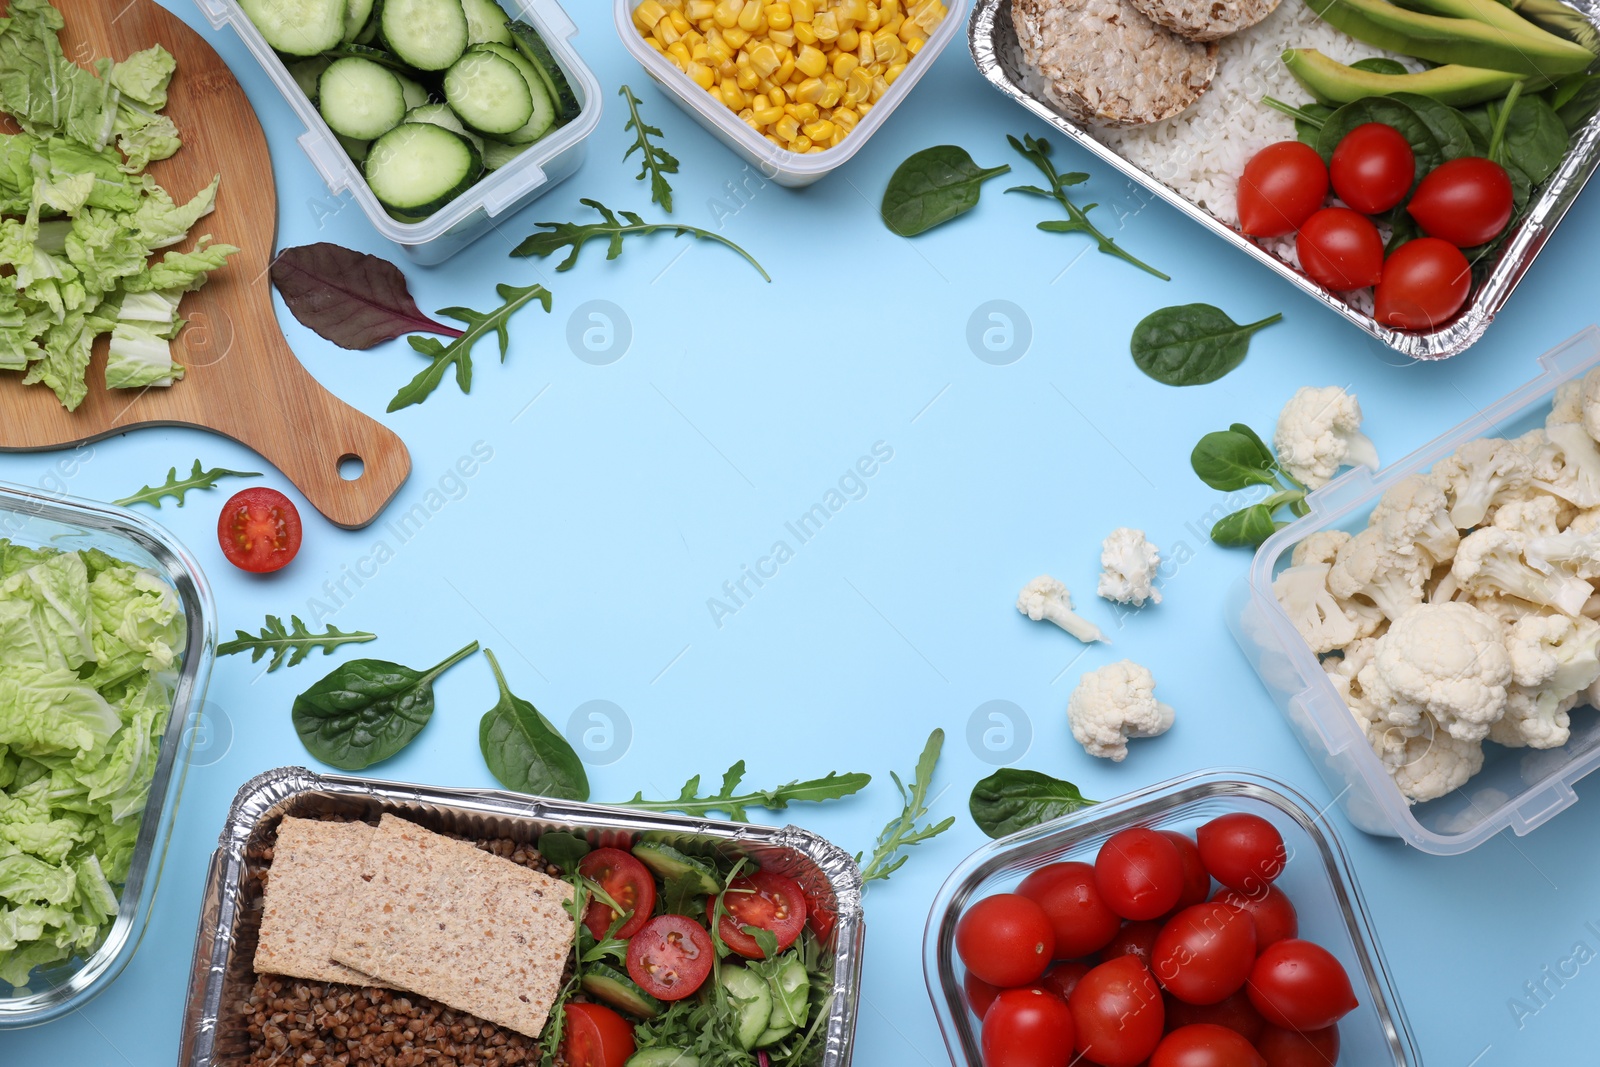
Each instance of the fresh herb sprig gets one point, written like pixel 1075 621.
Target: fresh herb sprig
pixel 178 488
pixel 458 353
pixel 1037 151
pixel 573 236
pixel 903 832
pixel 289 646
pixel 655 162
pixel 736 805
pixel 1237 458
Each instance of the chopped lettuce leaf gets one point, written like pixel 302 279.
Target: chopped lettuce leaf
pixel 184 271
pixel 148 142
pixel 42 88
pixel 161 222
pixel 144 76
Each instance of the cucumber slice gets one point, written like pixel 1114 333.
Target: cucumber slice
pixel 486 21
pixel 416 93
pixel 376 55
pixel 497 154
pixel 369 32
pixel 668 864
pixel 360 99
pixel 663 1057
pixel 356 18
pixel 752 1002
pixel 530 44
pixel 620 992
pixel 428 34
pixel 307 73
pixel 488 93
pixel 791 1000
pixel 417 168
pixel 544 110
pixel 441 115
pixel 356 150
pixel 298 27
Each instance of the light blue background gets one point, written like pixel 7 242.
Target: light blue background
pixel 621 497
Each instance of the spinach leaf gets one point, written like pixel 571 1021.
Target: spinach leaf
pixel 367 710
pixel 1010 800
pixel 1481 125
pixel 1535 140
pixel 1192 344
pixel 1391 112
pixel 1308 118
pixel 934 186
pixel 1380 65
pixel 524 751
pixel 1449 128
pixel 1576 98
pixel 1229 460
pixel 1402 228
pixel 1244 431
pixel 1248 527
pixel 563 849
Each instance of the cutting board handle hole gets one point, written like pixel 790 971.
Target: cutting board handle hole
pixel 351 467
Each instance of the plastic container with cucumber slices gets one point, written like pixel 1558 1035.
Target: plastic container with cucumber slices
pixel 497 195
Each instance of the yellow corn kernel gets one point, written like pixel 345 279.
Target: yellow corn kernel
pixel 679 54
pixel 894 72
pixel 719 48
pixel 732 95
pixel 865 107
pixel 804 33
pixel 700 54
pixel 807 113
pixel 764 60
pixel 915 44
pixel 803 10
pixel 885 49
pixel 702 75
pixel 891 26
pixel 767 116
pixel 843 64
pixel 888 9
pixel 655 44
pixel 845 119
pixel 880 86
pixel 810 61
pixel 857 87
pixel 779 17
pixel 810 91
pixel 800 144
pixel 820 130
pixel 825 26
pixel 773 139
pixel 700 10
pixel 647 14
pixel 679 23
pixel 736 37
pixel 752 17
pixel 667 33
pixel 760 103
pixel 786 128
pixel 694 39
pixel 782 38
pixel 727 13
pixel 782 75
pixel 777 96
pixel 728 69
pixel 748 79
pixel 873 20
pixel 866 48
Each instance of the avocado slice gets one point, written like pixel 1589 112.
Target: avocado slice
pixel 620 992
pixel 1333 83
pixel 669 864
pixel 1440 39
pixel 1488 12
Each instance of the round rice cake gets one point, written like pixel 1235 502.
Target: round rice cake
pixel 1109 65
pixel 1206 20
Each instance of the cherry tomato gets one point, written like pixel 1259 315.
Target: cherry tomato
pixel 1242 851
pixel 1205 953
pixel 1273 912
pixel 1424 283
pixel 626 881
pixel 980 994
pixel 1139 873
pixel 1234 1011
pixel 1300 986
pixel 1196 880
pixel 766 900
pixel 1340 250
pixel 1027 1028
pixel 1465 201
pixel 1069 896
pixel 1118 1013
pixel 1292 1048
pixel 596 1037
pixel 1205 1045
pixel 1134 939
pixel 259 530
pixel 670 957
pixel 1372 168
pixel 1006 940
pixel 1063 978
pixel 1282 185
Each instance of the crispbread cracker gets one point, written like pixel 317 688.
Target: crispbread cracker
pixel 441 918
pixel 315 867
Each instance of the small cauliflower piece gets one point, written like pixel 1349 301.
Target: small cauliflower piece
pixel 1489 563
pixel 1130 564
pixel 1433 764
pixel 1532 515
pixel 1554 660
pixel 1326 622
pixel 1320 547
pixel 1569 466
pixel 1319 431
pixel 1478 472
pixel 1534 718
pixel 1574 553
pixel 1113 704
pixel 1448 661
pixel 1584 522
pixel 1370 566
pixel 1388 741
pixel 1590 397
pixel 1415 514
pixel 1045 599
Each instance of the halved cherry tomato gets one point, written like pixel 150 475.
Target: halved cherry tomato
pixel 259 530
pixel 1425 282
pixel 1300 986
pixel 1134 939
pixel 1372 168
pixel 1234 1011
pixel 1291 1048
pixel 1069 896
pixel 1281 186
pixel 1027 1028
pixel 596 1037
pixel 1006 940
pixel 1205 1045
pixel 1465 201
pixel 1139 873
pixel 670 957
pixel 980 994
pixel 1196 879
pixel 1063 978
pixel 1340 249
pixel 1242 851
pixel 1272 911
pixel 1205 953
pixel 626 881
pixel 765 900
pixel 1118 1013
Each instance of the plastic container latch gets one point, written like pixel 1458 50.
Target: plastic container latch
pixel 1543 806
pixel 215 11
pixel 553 19
pixel 496 201
pixel 329 159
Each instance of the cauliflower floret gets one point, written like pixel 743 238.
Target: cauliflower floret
pixel 1113 704
pixel 1130 564
pixel 1387 740
pixel 1478 472
pixel 1415 513
pixel 1533 515
pixel 1508 609
pixel 1554 659
pixel 1326 622
pixel 1575 553
pixel 1569 464
pixel 1534 718
pixel 1044 598
pixel 1370 565
pixel 1489 563
pixel 1319 431
pixel 1583 522
pixel 1320 547
pixel 1444 660
pixel 1591 403
pixel 1433 764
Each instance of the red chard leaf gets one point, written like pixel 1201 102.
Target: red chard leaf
pixel 350 298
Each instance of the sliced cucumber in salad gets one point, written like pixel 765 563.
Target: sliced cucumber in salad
pixel 417 168
pixel 752 1003
pixel 360 99
pixel 663 1057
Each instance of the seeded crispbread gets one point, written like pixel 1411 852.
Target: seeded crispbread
pixel 1206 20
pixel 316 865
pixel 441 918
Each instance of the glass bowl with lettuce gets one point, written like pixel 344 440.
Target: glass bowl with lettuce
pixel 106 642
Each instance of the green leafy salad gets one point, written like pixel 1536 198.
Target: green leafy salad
pixel 82 219
pixel 89 651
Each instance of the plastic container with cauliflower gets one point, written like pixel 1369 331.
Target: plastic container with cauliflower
pixel 1517 787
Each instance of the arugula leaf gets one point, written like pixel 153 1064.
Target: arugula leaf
pixel 736 805
pixel 563 849
pixel 459 352
pixel 525 751
pixel 574 236
pixel 682 896
pixel 903 832
pixel 765 939
pixel 294 643
pixel 1010 800
pixel 655 162
pixel 178 488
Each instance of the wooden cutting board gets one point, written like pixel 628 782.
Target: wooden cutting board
pixel 243 381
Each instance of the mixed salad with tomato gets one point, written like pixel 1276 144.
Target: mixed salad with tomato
pixel 1133 961
pixel 688 962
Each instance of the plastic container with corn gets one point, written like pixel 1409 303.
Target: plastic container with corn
pixel 801 73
